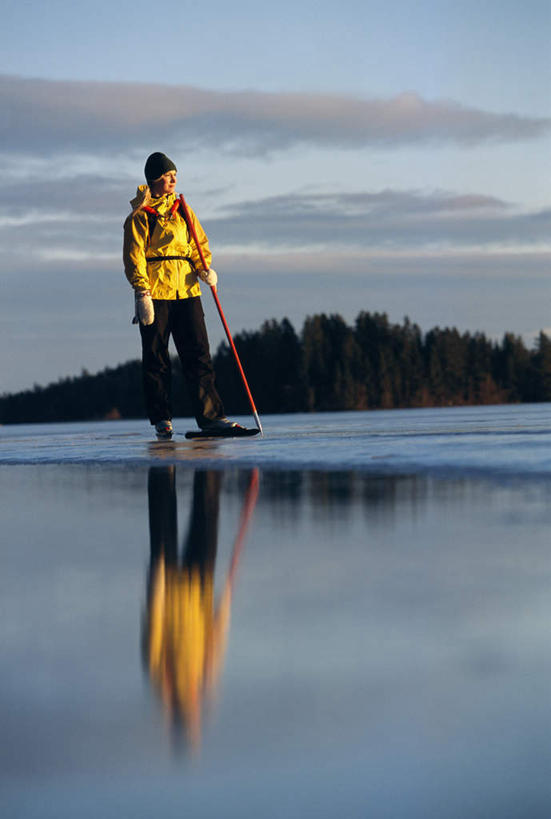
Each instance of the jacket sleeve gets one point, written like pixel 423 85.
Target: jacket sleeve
pixel 203 241
pixel 136 234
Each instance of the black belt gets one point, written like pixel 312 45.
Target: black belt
pixel 169 259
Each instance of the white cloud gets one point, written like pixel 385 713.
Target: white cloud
pixel 85 220
pixel 378 220
pixel 51 117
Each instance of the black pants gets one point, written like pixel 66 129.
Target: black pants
pixel 185 321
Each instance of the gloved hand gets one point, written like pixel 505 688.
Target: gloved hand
pixel 145 312
pixel 209 276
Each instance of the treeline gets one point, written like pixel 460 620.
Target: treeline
pixel 329 366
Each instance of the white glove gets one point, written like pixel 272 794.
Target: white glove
pixel 209 276
pixel 145 312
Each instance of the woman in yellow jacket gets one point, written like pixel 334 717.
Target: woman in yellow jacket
pixel 162 264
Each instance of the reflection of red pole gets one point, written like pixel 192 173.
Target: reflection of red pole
pixel 193 232
pixel 247 511
pixel 246 517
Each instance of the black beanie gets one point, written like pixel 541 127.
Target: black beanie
pixel 157 165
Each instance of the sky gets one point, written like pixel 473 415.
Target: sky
pixel 379 156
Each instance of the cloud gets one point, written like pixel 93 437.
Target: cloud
pixel 386 219
pixel 82 193
pixel 84 220
pixel 48 117
pixel 467 265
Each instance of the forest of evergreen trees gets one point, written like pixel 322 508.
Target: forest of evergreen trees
pixel 329 366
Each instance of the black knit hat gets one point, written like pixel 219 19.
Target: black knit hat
pixel 157 165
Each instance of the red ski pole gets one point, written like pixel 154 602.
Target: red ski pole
pixel 193 232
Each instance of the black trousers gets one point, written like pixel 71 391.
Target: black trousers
pixel 185 321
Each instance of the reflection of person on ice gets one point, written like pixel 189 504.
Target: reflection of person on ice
pixel 163 264
pixel 185 632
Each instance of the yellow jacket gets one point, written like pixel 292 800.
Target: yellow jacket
pixel 165 278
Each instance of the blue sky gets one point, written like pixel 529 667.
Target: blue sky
pixel 342 157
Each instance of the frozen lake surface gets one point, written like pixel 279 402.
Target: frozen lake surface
pixel 348 618
pixel 502 440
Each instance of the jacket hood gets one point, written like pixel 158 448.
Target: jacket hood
pixel 142 193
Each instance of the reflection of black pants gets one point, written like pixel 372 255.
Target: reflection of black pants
pixel 185 320
pixel 163 517
pixel 202 537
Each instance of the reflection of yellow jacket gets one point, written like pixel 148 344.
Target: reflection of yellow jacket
pixel 186 640
pixel 171 278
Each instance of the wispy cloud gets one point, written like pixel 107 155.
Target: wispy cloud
pixel 86 219
pixel 48 117
pixel 386 219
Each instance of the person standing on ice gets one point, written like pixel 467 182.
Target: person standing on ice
pixel 162 264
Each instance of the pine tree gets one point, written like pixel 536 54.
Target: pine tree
pixel 542 367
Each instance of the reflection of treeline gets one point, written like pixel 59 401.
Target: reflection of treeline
pixel 285 491
pixel 289 495
pixel 329 366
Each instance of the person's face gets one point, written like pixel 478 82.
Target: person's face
pixel 164 185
